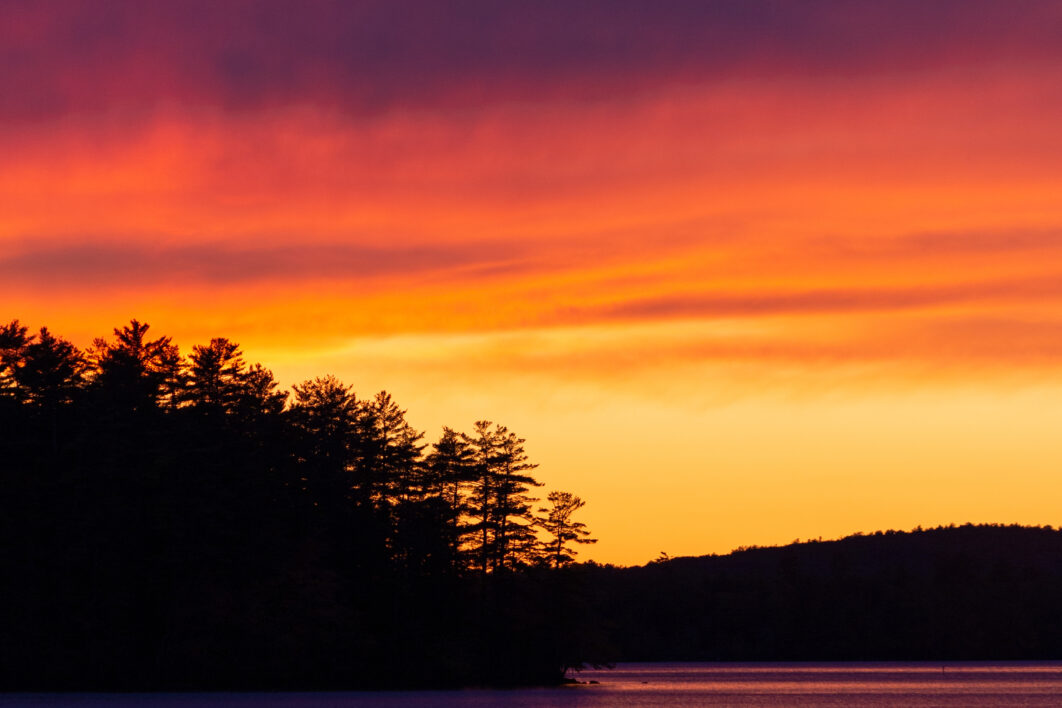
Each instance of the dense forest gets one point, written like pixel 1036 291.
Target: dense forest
pixel 950 593
pixel 174 521
pixel 178 522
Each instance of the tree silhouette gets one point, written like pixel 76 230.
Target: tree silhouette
pixel 257 396
pixel 133 370
pixel 516 542
pixel 50 370
pixel 504 525
pixel 449 473
pixel 49 376
pixel 216 376
pixel 181 524
pixel 562 530
pixel 13 340
pixel 324 412
pixel 389 452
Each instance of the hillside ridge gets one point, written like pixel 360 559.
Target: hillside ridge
pixel 981 591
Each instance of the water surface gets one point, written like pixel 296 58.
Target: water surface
pixel 651 685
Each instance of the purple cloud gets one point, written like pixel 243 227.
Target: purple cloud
pixel 88 55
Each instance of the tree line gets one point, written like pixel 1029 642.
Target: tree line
pixel 985 592
pixel 163 514
pixel 180 522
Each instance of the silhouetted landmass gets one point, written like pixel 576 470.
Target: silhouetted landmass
pixel 950 593
pixel 171 522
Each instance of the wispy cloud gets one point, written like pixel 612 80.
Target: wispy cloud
pixel 102 264
pixel 948 244
pixel 830 300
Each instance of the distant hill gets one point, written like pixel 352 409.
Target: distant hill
pixel 959 592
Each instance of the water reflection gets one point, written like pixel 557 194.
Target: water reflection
pixel 652 685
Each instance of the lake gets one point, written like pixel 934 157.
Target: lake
pixel 651 685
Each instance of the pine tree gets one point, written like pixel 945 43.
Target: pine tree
pixel 216 376
pixel 13 340
pixel 132 371
pixel 257 396
pixel 50 370
pixel 324 413
pixel 516 538
pixel 48 377
pixel 504 524
pixel 562 531
pixel 449 473
pixel 389 459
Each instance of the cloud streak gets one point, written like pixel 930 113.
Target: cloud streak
pixel 946 244
pixel 139 264
pixel 831 300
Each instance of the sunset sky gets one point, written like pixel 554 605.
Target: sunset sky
pixel 740 272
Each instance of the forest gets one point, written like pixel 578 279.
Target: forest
pixel 174 522
pixel 179 522
pixel 962 593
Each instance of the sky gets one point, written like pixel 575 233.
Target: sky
pixel 740 271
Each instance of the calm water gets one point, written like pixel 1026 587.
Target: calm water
pixel 642 685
